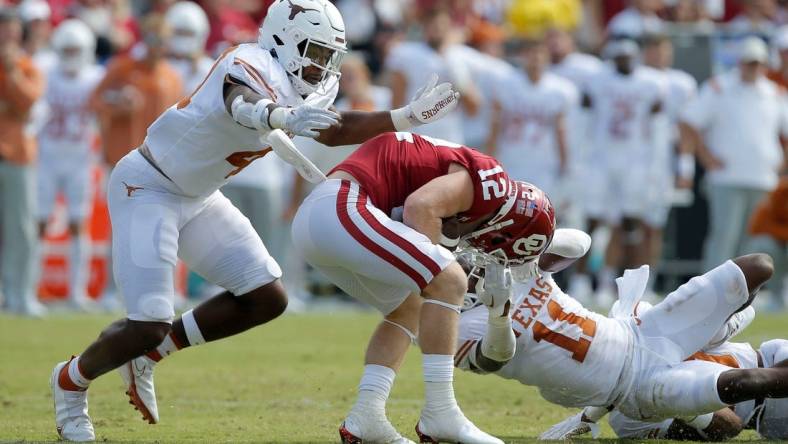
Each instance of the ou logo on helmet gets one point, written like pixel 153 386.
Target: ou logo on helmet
pixel 530 246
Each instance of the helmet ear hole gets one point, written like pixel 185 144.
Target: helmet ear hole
pixel 497 240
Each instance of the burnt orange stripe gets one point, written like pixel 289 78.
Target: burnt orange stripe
pixel 256 74
pixel 175 341
pixel 462 352
pixel 467 350
pixel 64 380
pixel 185 102
pixel 154 355
pixel 726 359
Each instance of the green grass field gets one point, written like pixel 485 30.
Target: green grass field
pixel 290 381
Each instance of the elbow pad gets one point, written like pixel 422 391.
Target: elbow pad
pixel 252 115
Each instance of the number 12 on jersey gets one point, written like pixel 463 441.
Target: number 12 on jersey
pixel 491 185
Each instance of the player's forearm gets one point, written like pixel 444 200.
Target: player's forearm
pixel 422 220
pixel 247 107
pixel 356 127
pixel 499 344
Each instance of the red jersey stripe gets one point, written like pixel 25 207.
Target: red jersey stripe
pixel 394 238
pixel 369 244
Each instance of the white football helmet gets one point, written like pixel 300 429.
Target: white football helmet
pixel 75 45
pixel 301 33
pixel 189 26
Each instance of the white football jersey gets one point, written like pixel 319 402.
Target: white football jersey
pixel 488 74
pixel 530 111
pixel 69 127
pixel 417 61
pixel 623 117
pixel 573 355
pixel 578 68
pixel 196 142
pixel 192 72
pixel 679 88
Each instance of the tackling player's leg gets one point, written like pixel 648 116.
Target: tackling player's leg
pixel 385 353
pixel 220 244
pixel 441 419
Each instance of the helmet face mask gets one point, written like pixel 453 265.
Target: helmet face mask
pixel 308 39
pixel 325 59
pixel 522 229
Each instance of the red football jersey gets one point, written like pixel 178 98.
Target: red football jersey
pixel 391 166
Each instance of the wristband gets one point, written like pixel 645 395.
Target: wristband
pixel 686 166
pixel 277 117
pixel 402 118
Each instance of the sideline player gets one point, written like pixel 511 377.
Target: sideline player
pixel 378 228
pixel 624 99
pixel 164 201
pixel 65 141
pixel 768 416
pixel 580 358
pixel 669 149
pixel 532 112
pixel 186 46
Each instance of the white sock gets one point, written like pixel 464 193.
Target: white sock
pixel 76 375
pixel 78 267
pixel 438 388
pixel 375 386
pixel 193 333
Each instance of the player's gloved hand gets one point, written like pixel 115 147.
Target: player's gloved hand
pixel 495 289
pixel 431 103
pixel 304 120
pixel 570 428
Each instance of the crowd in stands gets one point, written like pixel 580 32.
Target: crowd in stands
pixel 580 97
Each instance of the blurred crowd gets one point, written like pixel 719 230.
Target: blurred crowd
pixel 579 97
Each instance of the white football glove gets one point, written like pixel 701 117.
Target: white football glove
pixel 570 428
pixel 495 289
pixel 431 103
pixel 304 120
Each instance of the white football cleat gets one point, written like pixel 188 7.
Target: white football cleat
pixel 358 429
pixel 71 410
pixel 451 427
pixel 138 376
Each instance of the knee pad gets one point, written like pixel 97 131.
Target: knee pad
pixel 157 308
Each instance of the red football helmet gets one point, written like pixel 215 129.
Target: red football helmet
pixel 522 229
